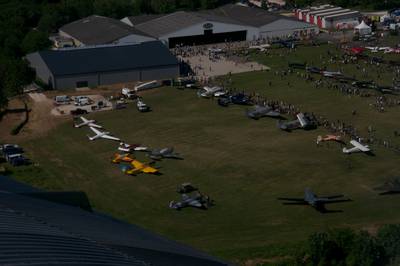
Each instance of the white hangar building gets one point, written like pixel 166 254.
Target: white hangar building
pixel 226 23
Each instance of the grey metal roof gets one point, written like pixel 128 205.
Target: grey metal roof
pixel 143 18
pixel 110 58
pixel 170 23
pixel 252 16
pixel 95 30
pixel 39 232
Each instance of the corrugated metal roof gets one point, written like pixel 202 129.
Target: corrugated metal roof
pixel 39 232
pixel 105 59
pixel 343 15
pixel 251 16
pixel 95 30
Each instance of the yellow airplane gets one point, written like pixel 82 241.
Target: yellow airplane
pixel 122 158
pixel 138 167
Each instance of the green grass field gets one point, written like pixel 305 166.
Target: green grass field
pixel 241 163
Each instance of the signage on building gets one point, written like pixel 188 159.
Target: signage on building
pixel 208 26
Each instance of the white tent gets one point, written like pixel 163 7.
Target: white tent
pixel 363 28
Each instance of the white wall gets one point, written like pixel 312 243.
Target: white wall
pixel 326 24
pixel 218 27
pixel 284 27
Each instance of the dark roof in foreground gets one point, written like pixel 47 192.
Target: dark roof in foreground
pixel 40 232
pixel 96 30
pixel 110 58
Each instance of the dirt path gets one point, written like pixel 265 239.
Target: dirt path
pixel 40 119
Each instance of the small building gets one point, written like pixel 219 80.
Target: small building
pixel 92 67
pixel 329 16
pixel 99 30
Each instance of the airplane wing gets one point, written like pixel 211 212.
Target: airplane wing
pixel 95 125
pixel 97 132
pixel 359 146
pixel 149 170
pixel 291 199
pixel 136 164
pixel 195 203
pixel 303 121
pixel 110 137
pixel 84 119
pixel 327 201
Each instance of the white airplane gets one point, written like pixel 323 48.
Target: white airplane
pixel 331 73
pixel 103 135
pixel 358 147
pixel 211 91
pixel 87 122
pixel 261 47
pixel 377 49
pixel 131 147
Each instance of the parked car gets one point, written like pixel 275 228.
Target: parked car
pixel 79 111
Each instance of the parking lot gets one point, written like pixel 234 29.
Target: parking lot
pixel 96 103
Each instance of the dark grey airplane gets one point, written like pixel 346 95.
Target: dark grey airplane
pixel 158 154
pixel 390 187
pixel 195 199
pixel 260 111
pixel 314 201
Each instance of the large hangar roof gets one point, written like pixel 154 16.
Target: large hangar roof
pixel 109 58
pixel 94 30
pixel 252 16
pixel 41 232
pixel 173 22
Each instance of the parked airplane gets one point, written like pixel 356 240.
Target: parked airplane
pixel 195 199
pixel 158 154
pixel 261 47
pixel 314 201
pixel 377 49
pixel 390 187
pixel 330 138
pixel 138 167
pixel 103 135
pixel 131 147
pixel 260 111
pixel 118 158
pixel 207 92
pixel 331 74
pixel 358 147
pixel 86 122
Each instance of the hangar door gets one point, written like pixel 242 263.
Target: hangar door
pixel 208 38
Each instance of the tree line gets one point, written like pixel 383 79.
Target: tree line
pixel 25 26
pixel 350 248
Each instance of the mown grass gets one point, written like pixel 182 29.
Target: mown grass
pixel 241 163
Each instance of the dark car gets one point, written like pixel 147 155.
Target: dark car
pixel 79 111
pixel 20 160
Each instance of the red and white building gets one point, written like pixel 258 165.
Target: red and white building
pixel 329 17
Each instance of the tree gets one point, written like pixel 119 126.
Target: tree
pixel 35 41
pixel 264 4
pixel 389 237
pixel 365 251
